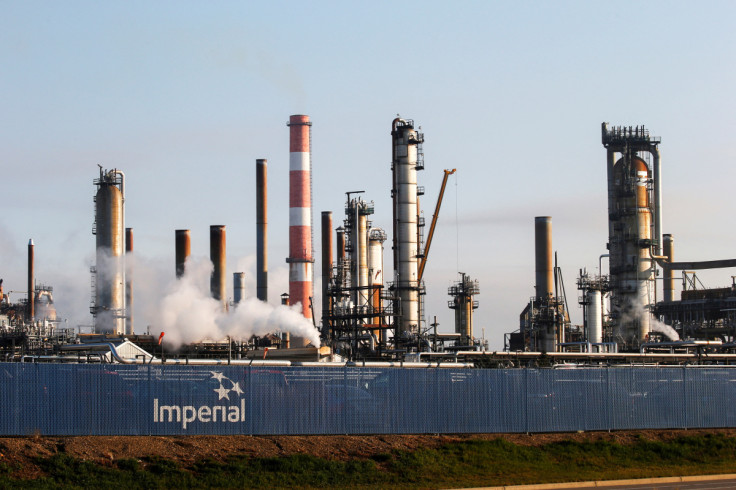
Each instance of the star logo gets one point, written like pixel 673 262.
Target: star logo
pixel 222 391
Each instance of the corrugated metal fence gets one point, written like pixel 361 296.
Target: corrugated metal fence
pixel 89 399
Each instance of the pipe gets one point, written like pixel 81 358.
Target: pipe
pixel 262 229
pixel 327 265
pixel 129 330
pixel 218 286
pixel 31 282
pixel 657 177
pixel 669 275
pixel 183 245
pixel 122 233
pixel 300 217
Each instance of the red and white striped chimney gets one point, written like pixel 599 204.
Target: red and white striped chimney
pixel 300 217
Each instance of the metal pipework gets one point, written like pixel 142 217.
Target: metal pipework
pixel 31 281
pixel 109 229
pixel 129 283
pixel 327 265
pixel 262 229
pixel 183 243
pixel 669 274
pixel 543 257
pixel 238 287
pixel 218 286
pixel 300 217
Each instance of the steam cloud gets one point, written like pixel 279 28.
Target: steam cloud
pixel 187 313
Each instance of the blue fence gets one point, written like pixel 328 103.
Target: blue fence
pixel 89 399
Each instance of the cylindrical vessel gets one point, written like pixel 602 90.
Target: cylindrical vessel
pixel 129 330
pixel 218 285
pixel 376 237
pixel 31 280
pixel 543 257
pixel 669 274
pixel 326 266
pixel 594 316
pixel 300 218
pixel 109 287
pixel 406 211
pixel 262 229
pixel 238 287
pixel 183 245
pixel 632 271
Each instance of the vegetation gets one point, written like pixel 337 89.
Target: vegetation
pixel 462 464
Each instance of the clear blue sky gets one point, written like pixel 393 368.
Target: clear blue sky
pixel 184 96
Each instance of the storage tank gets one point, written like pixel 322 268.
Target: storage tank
pixel 594 316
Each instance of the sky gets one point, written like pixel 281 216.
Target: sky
pixel 184 96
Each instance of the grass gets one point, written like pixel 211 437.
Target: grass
pixel 462 464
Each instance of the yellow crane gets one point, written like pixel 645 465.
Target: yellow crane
pixel 434 223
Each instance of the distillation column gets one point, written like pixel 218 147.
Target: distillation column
pixel 300 218
pixel 634 210
pixel 376 237
pixel 406 215
pixel 109 228
pixel 327 265
pixel 129 330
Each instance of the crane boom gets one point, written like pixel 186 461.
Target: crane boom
pixel 434 223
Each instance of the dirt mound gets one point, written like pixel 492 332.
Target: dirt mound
pixel 20 453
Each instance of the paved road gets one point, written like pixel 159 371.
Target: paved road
pixel 707 482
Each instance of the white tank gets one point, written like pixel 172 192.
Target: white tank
pixel 594 316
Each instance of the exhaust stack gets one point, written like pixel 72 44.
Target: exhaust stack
pixel 238 287
pixel 262 229
pixel 327 264
pixel 31 281
pixel 218 286
pixel 129 283
pixel 183 244
pixel 300 218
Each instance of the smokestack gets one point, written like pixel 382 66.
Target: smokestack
pixel 129 283
pixel 31 276
pixel 238 287
pixel 669 274
pixel 300 217
pixel 218 286
pixel 285 336
pixel 183 250
pixel 543 257
pixel 326 266
pixel 262 229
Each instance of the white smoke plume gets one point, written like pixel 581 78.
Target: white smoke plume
pixel 663 328
pixel 187 313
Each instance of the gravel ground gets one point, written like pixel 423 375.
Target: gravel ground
pixel 20 452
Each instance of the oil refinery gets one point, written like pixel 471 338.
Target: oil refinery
pixel 369 313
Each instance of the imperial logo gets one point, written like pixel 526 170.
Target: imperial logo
pixel 227 390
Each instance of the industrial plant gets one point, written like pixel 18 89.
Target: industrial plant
pixel 372 277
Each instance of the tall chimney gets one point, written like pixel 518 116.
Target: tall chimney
pixel 129 282
pixel 300 217
pixel 31 276
pixel 238 287
pixel 262 229
pixel 183 250
pixel 543 257
pixel 326 266
pixel 218 286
